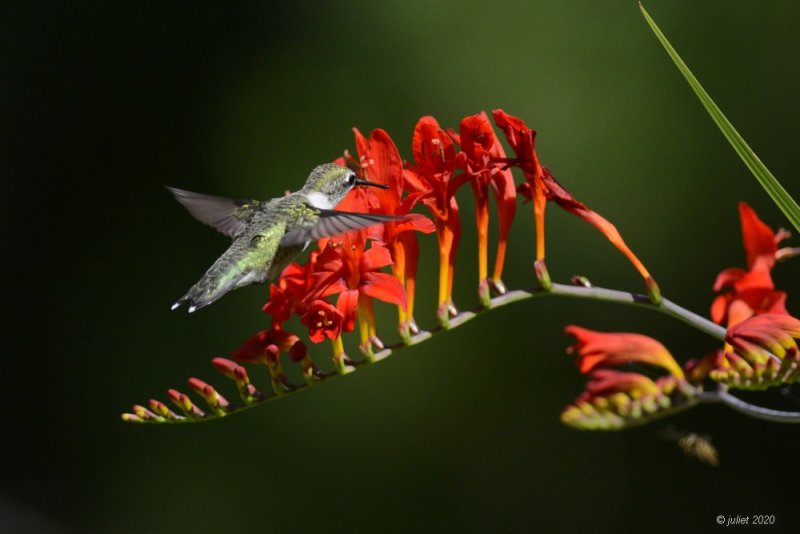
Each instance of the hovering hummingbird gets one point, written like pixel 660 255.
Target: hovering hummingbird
pixel 269 234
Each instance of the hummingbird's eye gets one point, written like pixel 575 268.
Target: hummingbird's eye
pixel 350 179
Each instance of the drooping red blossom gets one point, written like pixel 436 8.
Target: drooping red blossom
pixel 751 292
pixel 432 175
pixel 324 321
pixel 541 186
pixel 602 349
pixel 480 152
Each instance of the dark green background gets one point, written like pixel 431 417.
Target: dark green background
pixel 103 103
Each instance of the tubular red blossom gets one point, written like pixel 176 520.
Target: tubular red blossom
pixel 432 176
pixel 480 152
pixel 522 142
pixel 380 161
pixel 608 349
pixel 323 320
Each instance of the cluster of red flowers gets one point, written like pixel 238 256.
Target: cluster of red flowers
pixel 334 290
pixel 760 349
pixel 350 266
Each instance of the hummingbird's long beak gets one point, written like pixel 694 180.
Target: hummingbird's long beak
pixel 359 181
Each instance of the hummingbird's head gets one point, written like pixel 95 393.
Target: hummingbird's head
pixel 329 184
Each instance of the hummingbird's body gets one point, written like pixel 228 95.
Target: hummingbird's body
pixel 268 235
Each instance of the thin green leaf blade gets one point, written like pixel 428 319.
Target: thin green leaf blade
pixel 770 184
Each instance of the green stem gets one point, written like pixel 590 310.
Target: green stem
pixel 759 412
pixel 591 293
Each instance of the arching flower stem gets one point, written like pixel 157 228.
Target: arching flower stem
pixel 757 412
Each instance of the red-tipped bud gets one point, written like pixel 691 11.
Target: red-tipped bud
pixel 182 401
pixel 215 401
pixel 161 409
pixel 226 367
pixel 145 414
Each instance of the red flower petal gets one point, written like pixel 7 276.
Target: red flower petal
pixel 374 258
pixel 759 239
pixel 385 287
pixel 347 304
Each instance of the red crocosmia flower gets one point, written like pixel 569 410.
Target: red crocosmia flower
pixel 432 175
pixel 346 269
pixel 522 141
pixel 608 349
pixel 380 161
pixel 751 292
pixel 323 321
pixel 480 150
pixel 542 186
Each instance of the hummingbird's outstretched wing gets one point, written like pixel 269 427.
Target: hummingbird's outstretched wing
pixel 228 215
pixel 332 223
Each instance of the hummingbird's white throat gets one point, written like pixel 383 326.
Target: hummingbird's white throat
pixel 319 200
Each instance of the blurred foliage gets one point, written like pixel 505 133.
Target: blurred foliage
pixel 104 103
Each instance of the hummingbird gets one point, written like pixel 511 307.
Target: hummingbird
pixel 268 234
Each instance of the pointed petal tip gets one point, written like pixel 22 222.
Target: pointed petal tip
pixel 176 306
pixel 192 309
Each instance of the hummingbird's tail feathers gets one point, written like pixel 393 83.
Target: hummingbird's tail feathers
pixel 332 223
pixel 228 215
pixel 215 284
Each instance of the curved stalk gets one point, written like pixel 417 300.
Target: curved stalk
pixel 758 412
pixel 592 293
